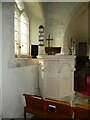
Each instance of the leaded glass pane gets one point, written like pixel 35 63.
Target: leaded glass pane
pixel 21 28
pixel 24 49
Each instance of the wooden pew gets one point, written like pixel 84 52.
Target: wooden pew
pixel 82 112
pixel 47 108
pixel 58 109
pixel 34 105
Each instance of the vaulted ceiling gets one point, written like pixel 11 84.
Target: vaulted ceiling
pixel 80 19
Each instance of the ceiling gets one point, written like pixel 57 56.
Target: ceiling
pixel 80 24
pixel 35 8
pixel 80 21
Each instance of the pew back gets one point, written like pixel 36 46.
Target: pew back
pixel 60 108
pixel 34 102
pixel 82 112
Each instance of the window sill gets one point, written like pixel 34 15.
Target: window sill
pixel 21 62
pixel 23 56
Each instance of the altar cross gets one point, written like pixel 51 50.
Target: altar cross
pixel 49 39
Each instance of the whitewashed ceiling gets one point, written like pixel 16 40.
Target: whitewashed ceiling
pixel 81 21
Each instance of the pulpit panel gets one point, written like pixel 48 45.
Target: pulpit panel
pixel 56 78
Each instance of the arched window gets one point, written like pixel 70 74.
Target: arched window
pixel 21 30
pixel 24 33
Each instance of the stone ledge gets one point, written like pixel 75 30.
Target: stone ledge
pixel 21 62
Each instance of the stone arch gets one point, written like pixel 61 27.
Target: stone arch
pixel 69 31
pixel 50 67
pixel 65 66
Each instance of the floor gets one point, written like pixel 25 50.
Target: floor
pixel 77 98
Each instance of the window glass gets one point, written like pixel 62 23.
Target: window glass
pixel 21 29
pixel 20 4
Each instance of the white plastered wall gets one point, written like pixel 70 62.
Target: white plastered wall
pixel 0 61
pixel 17 80
pixel 57 19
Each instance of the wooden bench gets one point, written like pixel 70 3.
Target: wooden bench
pixel 46 108
pixel 82 112
pixel 58 109
pixel 34 105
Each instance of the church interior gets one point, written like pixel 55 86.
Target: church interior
pixel 48 56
